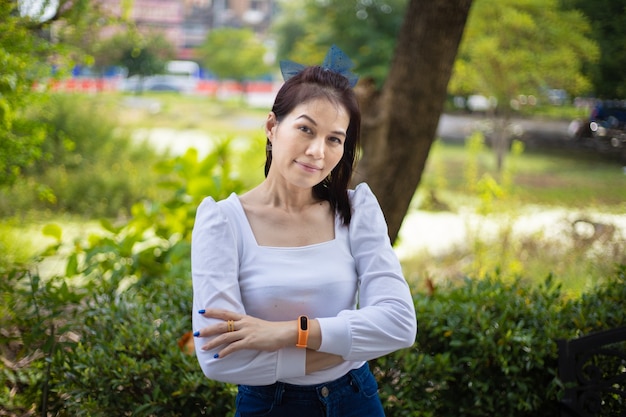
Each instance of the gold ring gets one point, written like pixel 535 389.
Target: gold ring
pixel 230 326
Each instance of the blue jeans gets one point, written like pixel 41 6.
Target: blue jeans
pixel 353 395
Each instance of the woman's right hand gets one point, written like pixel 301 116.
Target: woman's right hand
pixel 247 332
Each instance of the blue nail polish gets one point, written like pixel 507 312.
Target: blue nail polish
pixel 217 355
pixel 196 334
pixel 202 311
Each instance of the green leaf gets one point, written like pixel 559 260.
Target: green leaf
pixel 53 230
pixel 71 268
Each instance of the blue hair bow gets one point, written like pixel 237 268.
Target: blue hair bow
pixel 336 61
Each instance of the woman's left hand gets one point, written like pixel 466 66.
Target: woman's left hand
pixel 246 332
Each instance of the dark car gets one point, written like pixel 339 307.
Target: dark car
pixel 605 129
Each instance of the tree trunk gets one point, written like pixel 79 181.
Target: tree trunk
pixel 400 122
pixel 501 140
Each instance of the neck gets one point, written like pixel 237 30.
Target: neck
pixel 288 198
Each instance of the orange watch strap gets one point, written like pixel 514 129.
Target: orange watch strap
pixel 303 331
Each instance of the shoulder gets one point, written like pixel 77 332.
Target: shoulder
pixel 368 227
pixel 362 195
pixel 210 204
pixel 216 223
pixel 366 211
pixel 215 212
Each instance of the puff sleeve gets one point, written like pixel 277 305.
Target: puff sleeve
pixel 385 319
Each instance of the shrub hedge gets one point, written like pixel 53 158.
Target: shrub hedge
pixel 489 347
pixel 105 337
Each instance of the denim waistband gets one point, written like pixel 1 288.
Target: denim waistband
pixel 281 391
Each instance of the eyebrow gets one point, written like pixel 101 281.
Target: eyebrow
pixel 336 132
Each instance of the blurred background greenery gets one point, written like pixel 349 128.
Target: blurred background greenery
pixel 95 219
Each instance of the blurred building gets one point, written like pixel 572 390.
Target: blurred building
pixel 186 23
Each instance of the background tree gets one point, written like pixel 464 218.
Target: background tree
pixel 19 70
pixel 236 54
pixel 146 55
pixel 142 54
pixel 608 23
pixel 509 48
pixel 85 35
pixel 365 30
pixel 521 47
pixel 27 58
pixel 400 119
pixel 289 25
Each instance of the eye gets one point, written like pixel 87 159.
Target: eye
pixel 305 129
pixel 335 140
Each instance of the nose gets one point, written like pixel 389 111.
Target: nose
pixel 316 148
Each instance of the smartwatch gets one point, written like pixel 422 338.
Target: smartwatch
pixel 303 331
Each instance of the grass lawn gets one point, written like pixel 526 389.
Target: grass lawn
pixel 569 185
pixel 566 178
pixel 189 112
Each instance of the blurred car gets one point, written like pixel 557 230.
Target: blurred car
pixel 557 97
pixel 477 103
pixel 605 128
pixel 173 83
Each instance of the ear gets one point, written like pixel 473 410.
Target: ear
pixel 270 125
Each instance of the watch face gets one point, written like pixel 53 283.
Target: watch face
pixel 304 325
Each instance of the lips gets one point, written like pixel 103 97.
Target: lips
pixel 308 167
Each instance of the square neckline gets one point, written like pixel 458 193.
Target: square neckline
pixel 241 213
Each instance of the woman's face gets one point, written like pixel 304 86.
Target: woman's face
pixel 308 143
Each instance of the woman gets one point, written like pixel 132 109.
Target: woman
pixel 296 285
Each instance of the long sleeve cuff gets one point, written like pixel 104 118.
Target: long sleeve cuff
pixel 291 363
pixel 336 336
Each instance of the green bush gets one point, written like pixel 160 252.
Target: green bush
pixel 128 361
pixel 103 338
pixel 600 309
pixel 489 347
pixel 100 350
pixel 37 317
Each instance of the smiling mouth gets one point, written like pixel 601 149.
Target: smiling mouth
pixel 307 167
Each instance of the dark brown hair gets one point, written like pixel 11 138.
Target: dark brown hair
pixel 313 83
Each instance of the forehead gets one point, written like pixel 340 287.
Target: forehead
pixel 324 109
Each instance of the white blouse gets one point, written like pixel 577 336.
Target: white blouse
pixel 353 285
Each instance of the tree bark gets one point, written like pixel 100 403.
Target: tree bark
pixel 400 122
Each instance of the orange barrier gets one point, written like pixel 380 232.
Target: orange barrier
pixel 204 87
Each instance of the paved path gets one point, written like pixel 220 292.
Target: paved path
pixel 439 232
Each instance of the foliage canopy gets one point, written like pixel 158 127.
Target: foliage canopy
pixel 21 66
pixel 28 60
pixel 523 47
pixel 234 53
pixel 608 24
pixel 509 48
pixel 365 30
pixel 146 54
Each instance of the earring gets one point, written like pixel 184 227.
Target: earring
pixel 268 147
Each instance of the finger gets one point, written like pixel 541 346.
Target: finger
pixel 231 348
pixel 213 312
pixel 222 327
pixel 221 314
pixel 226 339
